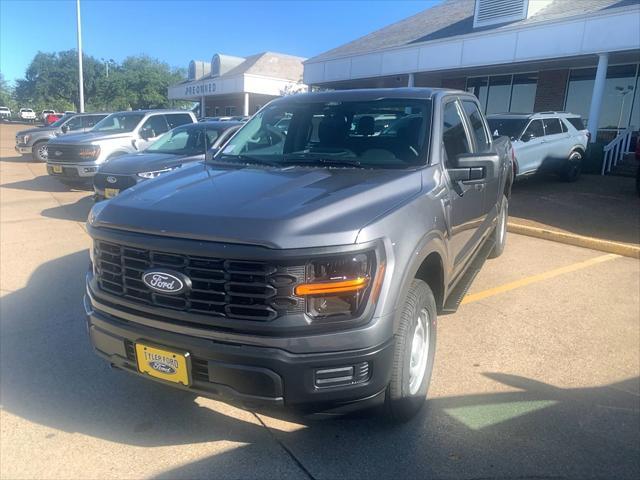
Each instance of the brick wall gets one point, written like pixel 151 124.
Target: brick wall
pixel 550 92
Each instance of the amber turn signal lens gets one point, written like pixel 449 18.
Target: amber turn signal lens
pixel 332 287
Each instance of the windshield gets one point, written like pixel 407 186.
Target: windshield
pixel 509 127
pixel 61 121
pixel 188 140
pixel 380 133
pixel 118 123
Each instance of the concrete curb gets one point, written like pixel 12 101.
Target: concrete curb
pixel 576 240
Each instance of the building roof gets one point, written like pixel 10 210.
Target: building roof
pixel 454 18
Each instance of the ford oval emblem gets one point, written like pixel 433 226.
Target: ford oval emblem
pixel 111 179
pixel 162 367
pixel 165 281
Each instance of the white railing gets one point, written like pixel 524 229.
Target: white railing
pixel 614 151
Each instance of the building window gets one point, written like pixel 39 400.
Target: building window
pixel 257 107
pixel 620 104
pixel 505 93
pixel 229 111
pixel 216 112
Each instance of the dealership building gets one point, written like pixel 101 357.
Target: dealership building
pixel 516 55
pixel 229 86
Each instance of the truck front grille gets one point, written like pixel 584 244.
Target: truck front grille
pixel 235 289
pixel 67 153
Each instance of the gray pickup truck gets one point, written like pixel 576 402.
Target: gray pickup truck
pixel 304 266
pixel 33 142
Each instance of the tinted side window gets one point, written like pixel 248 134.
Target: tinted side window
pixel 534 130
pixel 552 126
pixel 90 120
pixel 75 123
pixel 454 135
pixel 176 119
pixel 576 122
pixel 157 124
pixel 477 125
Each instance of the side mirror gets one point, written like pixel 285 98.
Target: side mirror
pixel 211 153
pixel 65 128
pixel 474 167
pixel 146 133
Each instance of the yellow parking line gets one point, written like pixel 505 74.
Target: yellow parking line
pixel 537 278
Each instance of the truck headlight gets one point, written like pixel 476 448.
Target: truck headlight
pixel 338 286
pixel 156 173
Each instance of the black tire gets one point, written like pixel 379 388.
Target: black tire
pixel 39 152
pixel 499 234
pixel 573 168
pixel 406 395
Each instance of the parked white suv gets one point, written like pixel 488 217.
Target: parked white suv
pixel 76 157
pixel 5 113
pixel 544 142
pixel 27 114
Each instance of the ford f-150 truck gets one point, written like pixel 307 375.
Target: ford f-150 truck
pixel 304 267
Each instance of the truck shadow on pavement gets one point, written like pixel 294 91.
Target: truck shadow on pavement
pixel 46 183
pixel 51 376
pixel 77 211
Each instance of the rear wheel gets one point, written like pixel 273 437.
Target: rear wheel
pixel 414 350
pixel 573 168
pixel 40 152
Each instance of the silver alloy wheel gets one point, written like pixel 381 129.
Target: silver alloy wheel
pixel 419 352
pixel 502 226
pixel 43 152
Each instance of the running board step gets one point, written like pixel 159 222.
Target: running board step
pixel 460 290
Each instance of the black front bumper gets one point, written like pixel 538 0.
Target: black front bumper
pixel 246 374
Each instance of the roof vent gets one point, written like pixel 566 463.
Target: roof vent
pixel 490 12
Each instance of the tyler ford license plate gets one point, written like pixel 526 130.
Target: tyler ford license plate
pixel 111 192
pixel 57 169
pixel 164 364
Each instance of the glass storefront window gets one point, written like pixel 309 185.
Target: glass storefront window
pixel 499 95
pixel 479 87
pixel 523 93
pixel 579 91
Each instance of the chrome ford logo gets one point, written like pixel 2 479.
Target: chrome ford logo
pixel 162 367
pixel 111 179
pixel 171 283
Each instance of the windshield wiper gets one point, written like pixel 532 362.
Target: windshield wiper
pixel 246 159
pixel 323 160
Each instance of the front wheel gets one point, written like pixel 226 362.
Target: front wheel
pixel 500 232
pixel 414 352
pixel 40 153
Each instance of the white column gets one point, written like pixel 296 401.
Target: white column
pixel 80 75
pixel 598 93
pixel 411 81
pixel 203 109
pixel 245 110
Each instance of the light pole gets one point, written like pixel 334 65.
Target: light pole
pixel 624 92
pixel 80 76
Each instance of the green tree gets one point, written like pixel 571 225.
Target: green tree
pixel 6 95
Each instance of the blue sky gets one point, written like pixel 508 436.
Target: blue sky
pixel 178 31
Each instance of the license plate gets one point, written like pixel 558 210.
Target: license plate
pixel 163 364
pixel 111 192
pixel 57 169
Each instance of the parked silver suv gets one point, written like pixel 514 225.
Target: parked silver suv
pixel 544 142
pixel 76 158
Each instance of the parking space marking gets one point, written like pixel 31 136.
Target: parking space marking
pixel 538 278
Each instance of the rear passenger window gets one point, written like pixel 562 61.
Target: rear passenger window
pixel 477 125
pixel 176 119
pixel 534 130
pixel 454 135
pixel 576 122
pixel 157 124
pixel 552 126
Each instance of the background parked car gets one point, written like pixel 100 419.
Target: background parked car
pixel 34 141
pixel 5 113
pixel 52 118
pixel 45 113
pixel 544 142
pixel 27 115
pixel 188 143
pixel 76 158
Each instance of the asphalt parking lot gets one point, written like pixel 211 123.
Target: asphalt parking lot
pixel 536 376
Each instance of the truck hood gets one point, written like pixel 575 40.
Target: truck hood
pixel 88 137
pixel 295 207
pixel 145 162
pixel 32 131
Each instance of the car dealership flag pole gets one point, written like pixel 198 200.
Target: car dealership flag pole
pixel 80 76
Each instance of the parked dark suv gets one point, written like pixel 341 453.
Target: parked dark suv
pixel 304 266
